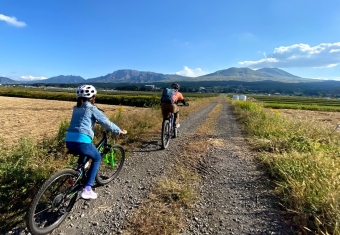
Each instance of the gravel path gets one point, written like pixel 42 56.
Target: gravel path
pixel 235 198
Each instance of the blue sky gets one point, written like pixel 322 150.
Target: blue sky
pixel 40 39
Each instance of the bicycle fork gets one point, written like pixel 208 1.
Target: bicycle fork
pixel 109 158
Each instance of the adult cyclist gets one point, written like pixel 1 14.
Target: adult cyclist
pixel 81 132
pixel 169 101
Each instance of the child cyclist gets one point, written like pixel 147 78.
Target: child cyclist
pixel 81 132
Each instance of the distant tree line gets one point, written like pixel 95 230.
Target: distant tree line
pixel 314 88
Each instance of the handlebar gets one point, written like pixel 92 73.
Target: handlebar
pixel 186 104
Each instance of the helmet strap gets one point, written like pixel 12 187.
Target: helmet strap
pixel 92 99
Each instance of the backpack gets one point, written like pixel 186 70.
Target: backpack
pixel 167 96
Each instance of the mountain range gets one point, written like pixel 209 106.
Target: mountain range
pixel 135 76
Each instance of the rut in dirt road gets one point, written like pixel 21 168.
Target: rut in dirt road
pixel 234 196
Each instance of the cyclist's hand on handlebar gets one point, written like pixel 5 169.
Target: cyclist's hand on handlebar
pixel 123 132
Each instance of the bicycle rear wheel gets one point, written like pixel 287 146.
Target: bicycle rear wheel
pixel 53 202
pixel 165 134
pixel 111 164
pixel 175 129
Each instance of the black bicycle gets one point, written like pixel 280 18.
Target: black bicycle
pixel 57 196
pixel 169 130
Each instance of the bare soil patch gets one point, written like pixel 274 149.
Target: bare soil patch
pixel 37 118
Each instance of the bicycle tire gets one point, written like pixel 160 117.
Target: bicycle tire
pixel 111 164
pixel 53 202
pixel 175 131
pixel 165 134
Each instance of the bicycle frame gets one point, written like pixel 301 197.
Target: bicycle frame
pixel 172 121
pixel 79 182
pixel 102 143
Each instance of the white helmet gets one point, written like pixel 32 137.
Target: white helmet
pixel 86 91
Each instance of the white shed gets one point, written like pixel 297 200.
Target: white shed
pixel 243 97
pixel 236 97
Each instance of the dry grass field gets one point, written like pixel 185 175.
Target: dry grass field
pixel 36 117
pixel 329 119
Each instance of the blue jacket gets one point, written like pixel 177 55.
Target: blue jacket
pixel 84 118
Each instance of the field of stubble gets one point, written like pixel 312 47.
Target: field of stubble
pixel 36 118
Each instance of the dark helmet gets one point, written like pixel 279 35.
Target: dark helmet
pixel 175 86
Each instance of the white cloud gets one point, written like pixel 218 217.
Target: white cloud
pixel 12 21
pixel 334 50
pixel 328 79
pixel 324 55
pixel 191 72
pixel 327 66
pixel 30 78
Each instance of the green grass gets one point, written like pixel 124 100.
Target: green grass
pixel 137 99
pixel 302 159
pixel 297 102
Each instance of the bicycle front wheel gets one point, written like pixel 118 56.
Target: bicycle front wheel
pixel 165 134
pixel 111 164
pixel 53 202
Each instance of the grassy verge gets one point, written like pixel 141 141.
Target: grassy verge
pixel 303 159
pixel 297 102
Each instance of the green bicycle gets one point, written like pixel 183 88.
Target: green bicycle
pixel 57 196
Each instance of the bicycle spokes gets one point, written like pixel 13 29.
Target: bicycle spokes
pixel 53 201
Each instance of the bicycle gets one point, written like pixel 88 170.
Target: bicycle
pixel 169 130
pixel 57 196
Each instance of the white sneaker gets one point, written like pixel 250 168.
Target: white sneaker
pixel 88 194
pixel 178 125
